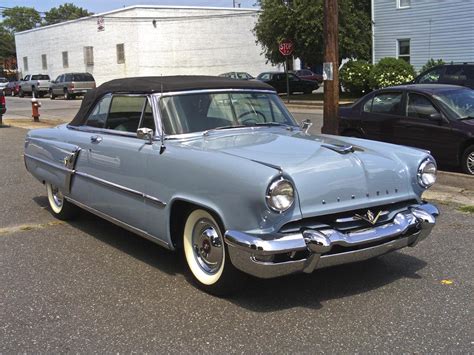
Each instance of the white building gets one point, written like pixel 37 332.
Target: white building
pixel 145 40
pixel 418 30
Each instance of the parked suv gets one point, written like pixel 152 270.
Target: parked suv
pixel 454 73
pixel 37 84
pixel 70 85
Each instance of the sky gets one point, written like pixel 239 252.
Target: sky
pixel 97 6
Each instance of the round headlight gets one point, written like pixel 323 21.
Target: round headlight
pixel 280 195
pixel 427 173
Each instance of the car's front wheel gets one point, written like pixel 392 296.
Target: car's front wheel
pixel 51 95
pixel 468 160
pixel 206 254
pixel 61 208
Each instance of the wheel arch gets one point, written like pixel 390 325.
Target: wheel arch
pixel 180 208
pixel 462 148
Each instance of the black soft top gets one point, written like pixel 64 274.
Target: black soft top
pixel 157 84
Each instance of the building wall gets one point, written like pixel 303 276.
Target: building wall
pixel 438 29
pixel 206 41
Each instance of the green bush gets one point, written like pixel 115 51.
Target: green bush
pixel 391 71
pixel 355 76
pixel 431 63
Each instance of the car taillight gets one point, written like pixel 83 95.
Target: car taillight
pixel 2 100
pixel 71 86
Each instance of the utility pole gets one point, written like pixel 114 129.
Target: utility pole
pixel 331 59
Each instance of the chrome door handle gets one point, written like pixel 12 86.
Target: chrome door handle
pixel 96 139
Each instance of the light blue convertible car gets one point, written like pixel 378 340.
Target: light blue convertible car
pixel 218 168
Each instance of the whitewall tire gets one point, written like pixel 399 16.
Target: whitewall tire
pixel 60 208
pixel 206 255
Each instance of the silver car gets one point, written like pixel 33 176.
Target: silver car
pixel 71 85
pixel 220 169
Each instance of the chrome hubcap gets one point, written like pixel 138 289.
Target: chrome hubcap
pixel 207 246
pixel 57 196
pixel 470 163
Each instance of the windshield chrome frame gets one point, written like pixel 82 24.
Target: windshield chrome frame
pixel 156 97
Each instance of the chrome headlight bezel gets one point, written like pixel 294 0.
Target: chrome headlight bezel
pixel 426 176
pixel 276 186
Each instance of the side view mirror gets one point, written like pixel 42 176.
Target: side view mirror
pixel 145 134
pixel 436 116
pixel 306 124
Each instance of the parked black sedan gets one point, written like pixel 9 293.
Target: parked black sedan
pixel 278 81
pixel 439 118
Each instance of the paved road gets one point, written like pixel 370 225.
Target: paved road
pixel 88 286
pixel 65 110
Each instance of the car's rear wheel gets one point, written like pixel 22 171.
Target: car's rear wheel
pixel 206 255
pixel 51 95
pixel 60 208
pixel 468 160
pixel 67 96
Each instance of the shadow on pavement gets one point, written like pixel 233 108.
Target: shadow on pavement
pixel 258 295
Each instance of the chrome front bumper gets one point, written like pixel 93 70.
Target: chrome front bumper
pixel 259 255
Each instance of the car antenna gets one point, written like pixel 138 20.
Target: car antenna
pixel 162 147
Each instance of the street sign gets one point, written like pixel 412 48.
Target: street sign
pixel 286 47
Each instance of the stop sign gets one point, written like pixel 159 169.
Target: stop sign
pixel 286 47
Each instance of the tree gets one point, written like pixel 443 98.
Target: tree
pixel 20 18
pixel 7 44
pixel 302 21
pixel 64 12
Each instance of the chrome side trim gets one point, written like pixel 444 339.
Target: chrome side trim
pixel 119 223
pixel 122 188
pixel 50 164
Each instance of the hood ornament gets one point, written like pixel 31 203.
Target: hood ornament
pixel 341 149
pixel 370 217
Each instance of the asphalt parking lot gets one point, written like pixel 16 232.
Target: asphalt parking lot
pixel 89 286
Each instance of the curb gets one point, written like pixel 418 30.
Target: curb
pixel 462 181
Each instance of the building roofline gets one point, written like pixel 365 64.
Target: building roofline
pixel 132 7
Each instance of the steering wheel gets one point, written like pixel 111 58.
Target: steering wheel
pixel 250 120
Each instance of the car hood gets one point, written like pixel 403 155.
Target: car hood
pixel 326 180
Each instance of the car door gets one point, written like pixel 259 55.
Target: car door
pixel 25 83
pixel 116 165
pixel 56 85
pixel 423 126
pixel 379 114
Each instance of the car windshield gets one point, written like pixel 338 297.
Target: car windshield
pixel 190 113
pixel 459 102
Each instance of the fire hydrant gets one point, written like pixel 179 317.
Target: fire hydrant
pixel 35 105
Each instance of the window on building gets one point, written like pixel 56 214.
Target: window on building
pixel 44 62
pixel 404 49
pixel 89 55
pixel 403 4
pixel 25 63
pixel 120 53
pixel 65 60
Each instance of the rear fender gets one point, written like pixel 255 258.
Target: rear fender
pixel 51 161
